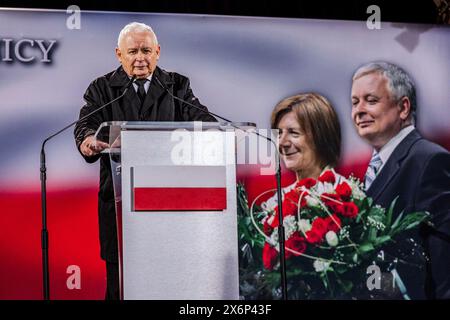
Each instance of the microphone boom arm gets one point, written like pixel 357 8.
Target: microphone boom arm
pixel 43 178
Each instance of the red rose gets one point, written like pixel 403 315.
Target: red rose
pixel 314 236
pixel 293 199
pixel 332 201
pixel 333 225
pixel 350 210
pixel 290 203
pixel 318 229
pixel 296 243
pixel 327 176
pixel 319 224
pixel 267 228
pixel 306 182
pixel 344 190
pixel 330 198
pixel 292 195
pixel 269 256
pixel 290 206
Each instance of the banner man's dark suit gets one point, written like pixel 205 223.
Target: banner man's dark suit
pixel 158 106
pixel 418 172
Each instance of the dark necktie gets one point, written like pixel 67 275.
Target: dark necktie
pixel 141 89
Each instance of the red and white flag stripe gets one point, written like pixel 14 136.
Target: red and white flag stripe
pixel 179 188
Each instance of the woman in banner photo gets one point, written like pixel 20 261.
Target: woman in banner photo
pixel 310 134
pixel 334 234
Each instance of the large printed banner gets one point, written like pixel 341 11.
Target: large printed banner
pixel 239 67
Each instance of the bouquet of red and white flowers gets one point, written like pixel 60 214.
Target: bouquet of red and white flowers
pixel 333 232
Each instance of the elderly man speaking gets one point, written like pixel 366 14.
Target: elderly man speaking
pixel 138 52
pixel 407 166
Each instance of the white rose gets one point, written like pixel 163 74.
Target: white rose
pixel 332 238
pixel 320 265
pixel 304 225
pixel 311 202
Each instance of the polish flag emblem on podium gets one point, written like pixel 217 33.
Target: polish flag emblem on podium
pixel 179 188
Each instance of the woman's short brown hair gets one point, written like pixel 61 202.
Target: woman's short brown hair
pixel 318 120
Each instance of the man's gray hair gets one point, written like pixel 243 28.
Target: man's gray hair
pixel 136 27
pixel 400 83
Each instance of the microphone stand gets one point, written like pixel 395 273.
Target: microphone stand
pixel 43 177
pixel 281 233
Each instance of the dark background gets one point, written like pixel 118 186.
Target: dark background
pixel 414 11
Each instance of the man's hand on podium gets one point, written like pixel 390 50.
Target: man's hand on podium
pixel 91 146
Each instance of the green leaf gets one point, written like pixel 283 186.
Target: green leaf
pixel 372 234
pixel 361 214
pixel 389 215
pixel 412 220
pixel 340 268
pixel 323 276
pixel 366 247
pixel 397 221
pixel 380 240
pixel 346 285
pixel 369 201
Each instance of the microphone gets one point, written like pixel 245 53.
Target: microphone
pixel 43 177
pixel 281 233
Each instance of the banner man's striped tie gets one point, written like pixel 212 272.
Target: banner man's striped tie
pixel 372 170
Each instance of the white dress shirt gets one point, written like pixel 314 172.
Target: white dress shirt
pixel 146 84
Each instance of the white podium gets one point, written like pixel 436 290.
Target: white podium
pixel 175 191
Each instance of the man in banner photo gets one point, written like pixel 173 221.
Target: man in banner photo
pixel 407 166
pixel 138 52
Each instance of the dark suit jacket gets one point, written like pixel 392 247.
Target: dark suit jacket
pixel 418 172
pixel 158 106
